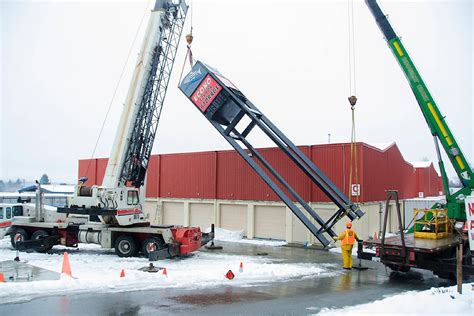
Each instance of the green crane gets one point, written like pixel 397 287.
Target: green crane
pixel 436 122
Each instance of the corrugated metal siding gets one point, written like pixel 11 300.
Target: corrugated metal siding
pixel 88 168
pixel 374 174
pixel 420 181
pixel 334 161
pixel 93 169
pixel 191 175
pixel 101 166
pixel 328 160
pixel 409 181
pixel 386 170
pixel 434 180
pixel 411 204
pixel 225 175
pixel 400 173
pixel 153 177
pixel 428 181
pixel 238 181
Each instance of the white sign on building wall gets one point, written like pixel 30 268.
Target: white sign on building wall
pixel 355 189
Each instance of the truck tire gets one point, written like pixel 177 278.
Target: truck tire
pixel 19 234
pixel 125 246
pixel 156 241
pixel 39 234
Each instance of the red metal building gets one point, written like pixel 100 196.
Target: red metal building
pixel 224 175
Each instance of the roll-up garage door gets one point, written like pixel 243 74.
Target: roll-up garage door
pixel 270 222
pixel 234 217
pixel 201 214
pixel 173 213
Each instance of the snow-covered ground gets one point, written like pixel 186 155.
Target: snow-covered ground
pixel 98 270
pixel 437 301
pixel 237 236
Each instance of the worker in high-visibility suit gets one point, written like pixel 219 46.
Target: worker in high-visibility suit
pixel 347 238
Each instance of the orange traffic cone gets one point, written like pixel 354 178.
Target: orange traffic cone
pixel 164 272
pixel 241 268
pixel 375 236
pixel 66 269
pixel 2 278
pixel 122 274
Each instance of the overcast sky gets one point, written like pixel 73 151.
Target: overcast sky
pixel 60 63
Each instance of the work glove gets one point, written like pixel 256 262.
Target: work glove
pixel 335 238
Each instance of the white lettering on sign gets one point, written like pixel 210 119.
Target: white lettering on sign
pixel 470 220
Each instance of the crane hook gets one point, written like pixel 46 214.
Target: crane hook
pixel 352 100
pixel 189 38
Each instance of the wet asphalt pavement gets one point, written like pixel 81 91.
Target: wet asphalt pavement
pixel 293 297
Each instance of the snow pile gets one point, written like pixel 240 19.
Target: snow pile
pixel 238 236
pixel 98 270
pixel 437 301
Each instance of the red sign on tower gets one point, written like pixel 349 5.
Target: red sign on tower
pixel 206 93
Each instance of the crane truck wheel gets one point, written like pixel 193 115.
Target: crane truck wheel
pixel 19 234
pixel 125 246
pixel 40 234
pixel 150 243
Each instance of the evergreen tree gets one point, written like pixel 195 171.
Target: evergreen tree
pixel 44 179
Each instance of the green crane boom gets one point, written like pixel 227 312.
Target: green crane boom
pixel 436 122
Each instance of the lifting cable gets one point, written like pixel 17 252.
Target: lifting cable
pixel 189 40
pixel 117 85
pixel 352 100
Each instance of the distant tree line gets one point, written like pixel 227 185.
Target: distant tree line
pixel 11 186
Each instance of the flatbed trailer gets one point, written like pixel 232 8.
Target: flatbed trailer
pixel 438 256
pixel 405 251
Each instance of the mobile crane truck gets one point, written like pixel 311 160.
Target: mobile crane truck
pixel 437 232
pixel 111 215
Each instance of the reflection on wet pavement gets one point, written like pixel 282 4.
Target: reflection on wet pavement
pixel 228 297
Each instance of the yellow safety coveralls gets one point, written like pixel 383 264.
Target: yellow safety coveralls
pixel 347 238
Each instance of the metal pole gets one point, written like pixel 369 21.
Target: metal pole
pixel 459 267
pixel 38 201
